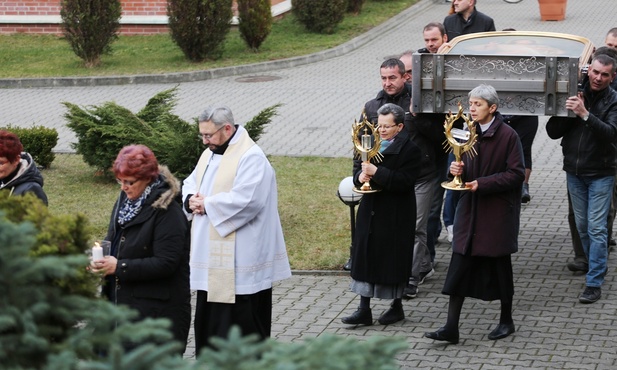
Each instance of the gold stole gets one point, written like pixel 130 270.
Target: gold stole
pixel 221 268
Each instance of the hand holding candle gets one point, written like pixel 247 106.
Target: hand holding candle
pixel 101 250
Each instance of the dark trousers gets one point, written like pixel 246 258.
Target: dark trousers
pixel 433 228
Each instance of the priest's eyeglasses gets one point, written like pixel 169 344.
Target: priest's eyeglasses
pixel 208 136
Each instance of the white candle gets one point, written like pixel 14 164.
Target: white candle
pixel 97 252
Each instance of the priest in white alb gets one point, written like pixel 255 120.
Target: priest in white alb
pixel 237 244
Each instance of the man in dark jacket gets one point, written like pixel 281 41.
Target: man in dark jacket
pixel 394 90
pixel 467 19
pixel 434 35
pixel 579 263
pixel 589 145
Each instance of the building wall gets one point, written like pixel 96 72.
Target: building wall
pixel 43 16
pixel 139 17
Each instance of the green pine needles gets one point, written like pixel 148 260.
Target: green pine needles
pixel 103 130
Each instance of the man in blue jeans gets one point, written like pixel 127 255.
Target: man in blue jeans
pixel 589 145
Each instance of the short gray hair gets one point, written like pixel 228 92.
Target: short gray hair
pixel 393 109
pixel 219 115
pixel 486 92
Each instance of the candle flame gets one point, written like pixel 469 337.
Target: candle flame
pixel 96 244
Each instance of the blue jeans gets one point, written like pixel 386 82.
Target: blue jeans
pixel 591 201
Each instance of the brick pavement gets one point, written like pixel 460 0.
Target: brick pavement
pixel 322 94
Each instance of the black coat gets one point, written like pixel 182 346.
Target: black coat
pixel 28 179
pixel 385 227
pixel 487 221
pixel 152 275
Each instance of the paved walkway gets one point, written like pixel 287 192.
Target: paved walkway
pixel 322 94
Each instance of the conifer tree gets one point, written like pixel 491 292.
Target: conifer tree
pixel 90 26
pixel 43 327
pixel 199 27
pixel 255 21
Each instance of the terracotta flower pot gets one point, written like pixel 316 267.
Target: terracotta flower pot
pixel 552 10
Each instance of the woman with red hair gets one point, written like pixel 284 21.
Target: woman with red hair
pixel 18 172
pixel 148 267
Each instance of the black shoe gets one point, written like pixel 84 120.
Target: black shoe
pixel 362 316
pixel 590 295
pixel 525 197
pixel 578 266
pixel 443 335
pixel 393 314
pixel 425 275
pixel 347 266
pixel 501 331
pixel 612 242
pixel 410 291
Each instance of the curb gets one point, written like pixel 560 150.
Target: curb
pixel 320 272
pixel 193 76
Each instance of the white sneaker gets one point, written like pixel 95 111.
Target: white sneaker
pixel 450 233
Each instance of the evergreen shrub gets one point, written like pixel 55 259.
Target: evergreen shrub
pixel 255 127
pixel 39 141
pixel 103 130
pixel 255 21
pixel 56 235
pixel 199 27
pixel 320 16
pixel 90 26
pixel 355 6
pixel 44 326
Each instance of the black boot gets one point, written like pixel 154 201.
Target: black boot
pixel 393 314
pixel 525 198
pixel 362 316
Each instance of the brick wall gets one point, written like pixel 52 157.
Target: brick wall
pixel 52 7
pixel 32 7
pixel 139 17
pixel 43 16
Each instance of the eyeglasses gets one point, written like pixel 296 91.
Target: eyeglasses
pixel 126 182
pixel 386 127
pixel 208 136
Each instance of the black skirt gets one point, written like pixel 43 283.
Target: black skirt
pixel 485 278
pixel 251 312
